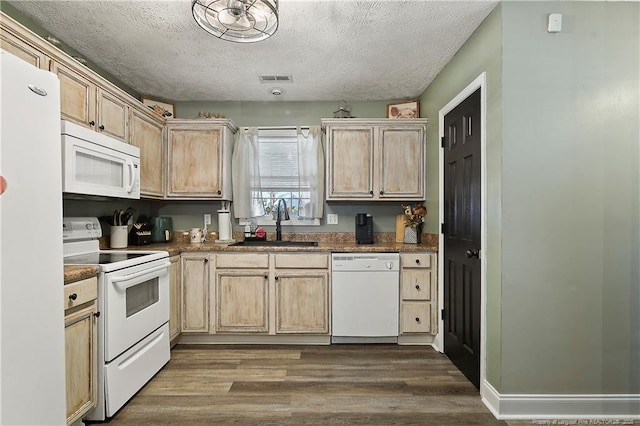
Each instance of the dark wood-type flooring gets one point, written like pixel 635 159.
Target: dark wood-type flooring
pixel 295 385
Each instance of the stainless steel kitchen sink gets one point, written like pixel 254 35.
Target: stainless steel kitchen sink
pixel 275 243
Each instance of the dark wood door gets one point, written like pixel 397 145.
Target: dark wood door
pixel 462 237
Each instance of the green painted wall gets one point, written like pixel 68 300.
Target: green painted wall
pixel 570 185
pixel 481 53
pixel 280 112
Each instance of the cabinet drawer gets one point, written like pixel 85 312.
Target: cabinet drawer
pixel 302 260
pixel 79 292
pixel 416 260
pixel 416 284
pixel 243 260
pixel 415 317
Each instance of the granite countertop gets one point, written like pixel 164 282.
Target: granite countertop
pixel 79 272
pixel 327 242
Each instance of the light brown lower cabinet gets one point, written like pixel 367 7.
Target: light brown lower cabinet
pixel 242 293
pixel 80 347
pixel 302 293
pixel 255 293
pixel 417 293
pixel 194 292
pixel 174 299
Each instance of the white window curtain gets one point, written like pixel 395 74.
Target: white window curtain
pixel 311 168
pixel 245 173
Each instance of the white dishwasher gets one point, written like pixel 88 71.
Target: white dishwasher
pixel 365 297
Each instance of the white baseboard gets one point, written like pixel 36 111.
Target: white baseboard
pixel 569 406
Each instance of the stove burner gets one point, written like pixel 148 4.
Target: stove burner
pixel 101 258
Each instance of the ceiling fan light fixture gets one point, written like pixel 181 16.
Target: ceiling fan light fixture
pixel 241 21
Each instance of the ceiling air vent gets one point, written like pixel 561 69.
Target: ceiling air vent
pixel 280 78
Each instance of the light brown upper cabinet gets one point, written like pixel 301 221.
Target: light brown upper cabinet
pixel 13 40
pixel 146 130
pixel 199 158
pixel 375 160
pixel 86 103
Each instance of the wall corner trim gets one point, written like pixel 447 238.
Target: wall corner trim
pixel 561 406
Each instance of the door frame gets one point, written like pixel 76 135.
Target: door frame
pixel 479 83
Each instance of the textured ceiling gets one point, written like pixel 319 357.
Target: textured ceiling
pixel 352 50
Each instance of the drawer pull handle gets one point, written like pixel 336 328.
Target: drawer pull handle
pixel 206 260
pixel 417 261
pixel 417 319
pixel 417 286
pixel 73 296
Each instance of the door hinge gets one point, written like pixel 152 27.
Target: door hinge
pixel 442 141
pixel 442 314
pixel 443 228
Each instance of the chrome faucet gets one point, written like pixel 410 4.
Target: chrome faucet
pixel 279 217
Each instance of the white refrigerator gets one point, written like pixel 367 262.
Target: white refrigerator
pixel 32 347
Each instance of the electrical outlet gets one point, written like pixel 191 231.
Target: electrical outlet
pixel 332 219
pixel 207 219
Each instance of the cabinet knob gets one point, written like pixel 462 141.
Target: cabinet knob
pixel 101 127
pixel 206 260
pixel 97 314
pixel 371 192
pixel 276 278
pixel 92 123
pixel 417 319
pixel 266 277
pixel 417 286
pixel 73 296
pixel 417 261
pixel 219 192
pixel 381 192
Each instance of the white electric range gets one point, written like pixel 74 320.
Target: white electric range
pixel 133 299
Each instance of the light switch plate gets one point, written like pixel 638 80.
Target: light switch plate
pixel 332 219
pixel 207 219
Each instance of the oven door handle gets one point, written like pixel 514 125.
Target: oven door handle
pixel 116 280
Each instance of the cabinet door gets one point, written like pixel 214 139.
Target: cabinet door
pixel 195 163
pixel 195 294
pixel 350 153
pixel 146 134
pixel 416 284
pixel 415 317
pixel 81 362
pixel 174 283
pixel 112 115
pixel 77 96
pixel 401 165
pixel 242 301
pixel 23 50
pixel 302 302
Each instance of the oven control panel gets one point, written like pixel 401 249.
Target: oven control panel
pixel 80 228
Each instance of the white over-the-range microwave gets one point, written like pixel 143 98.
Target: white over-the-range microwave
pixel 97 164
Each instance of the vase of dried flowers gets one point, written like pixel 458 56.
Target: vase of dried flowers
pixel 414 217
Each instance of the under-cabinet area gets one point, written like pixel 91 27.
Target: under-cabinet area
pixel 284 297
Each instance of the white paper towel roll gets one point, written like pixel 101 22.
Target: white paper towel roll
pixel 224 225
